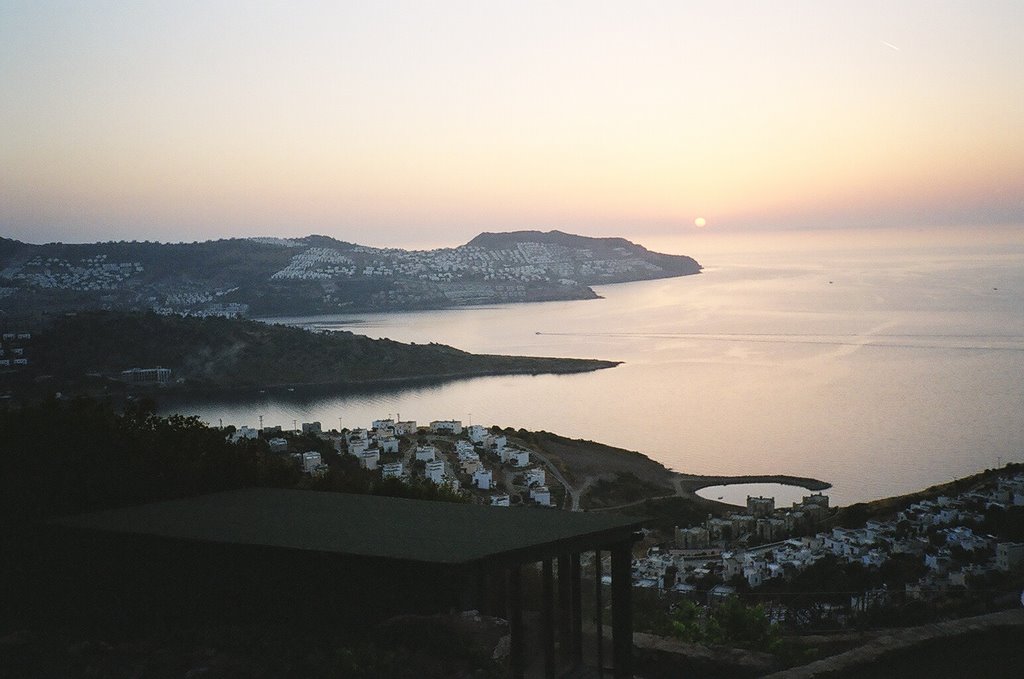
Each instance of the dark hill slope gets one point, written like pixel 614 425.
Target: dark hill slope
pixel 234 353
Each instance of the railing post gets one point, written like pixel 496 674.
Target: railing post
pixel 622 610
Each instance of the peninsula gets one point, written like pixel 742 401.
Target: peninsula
pixel 266 277
pixel 144 350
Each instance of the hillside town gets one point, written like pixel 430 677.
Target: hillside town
pixel 473 460
pixel 945 540
pixel 525 262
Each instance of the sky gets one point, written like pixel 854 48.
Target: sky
pixel 411 123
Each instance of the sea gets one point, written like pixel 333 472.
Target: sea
pixel 882 361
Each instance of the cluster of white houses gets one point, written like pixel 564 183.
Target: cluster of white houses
pixel 14 349
pixel 937 531
pixel 524 262
pixel 88 273
pixel 445 451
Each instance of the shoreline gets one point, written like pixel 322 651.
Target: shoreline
pixel 691 483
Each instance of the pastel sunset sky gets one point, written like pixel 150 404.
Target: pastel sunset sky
pixel 423 123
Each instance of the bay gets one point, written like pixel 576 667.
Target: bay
pixel 881 361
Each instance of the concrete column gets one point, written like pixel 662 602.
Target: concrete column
pixel 622 612
pixel 577 609
pixel 517 656
pixel 548 618
pixel 565 613
pixel 599 611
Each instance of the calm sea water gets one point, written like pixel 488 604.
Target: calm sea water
pixel 882 362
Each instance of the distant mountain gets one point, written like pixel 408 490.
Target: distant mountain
pixel 235 353
pixel 317 274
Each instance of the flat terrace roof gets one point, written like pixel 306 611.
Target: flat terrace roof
pixel 367 526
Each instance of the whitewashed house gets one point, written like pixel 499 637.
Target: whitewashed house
pixel 243 432
pixel 278 445
pixel 482 479
pixel 426 453
pixel 465 451
pixel 391 470
pixel 500 500
pixel 541 495
pixel 435 471
pixel 383 427
pixel 446 427
pixel 515 457
pixel 387 444
pixel 369 458
pixel 406 428
pixel 534 477
pixel 476 433
pixel 310 460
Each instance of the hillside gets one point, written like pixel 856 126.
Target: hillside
pixel 233 353
pixel 317 274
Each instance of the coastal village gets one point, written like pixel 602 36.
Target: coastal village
pixel 942 534
pixel 739 551
pixel 525 262
pixel 330 272
pixel 472 460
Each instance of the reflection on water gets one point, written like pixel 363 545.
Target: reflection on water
pixel 878 369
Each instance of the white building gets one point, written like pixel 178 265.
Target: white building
pixel 278 445
pixel 541 495
pixel 369 458
pixel 515 457
pixel 760 507
pixel 500 500
pixel 406 428
pixel 383 427
pixel 244 432
pixel 387 444
pixel 476 433
pixel 435 471
pixel 392 470
pixel 446 426
pixel 426 453
pixel 465 451
pixel 482 479
pixel 534 477
pixel 309 461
